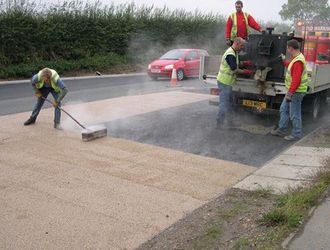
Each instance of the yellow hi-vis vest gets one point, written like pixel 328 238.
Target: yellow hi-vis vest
pixel 53 80
pixel 233 33
pixel 304 77
pixel 226 75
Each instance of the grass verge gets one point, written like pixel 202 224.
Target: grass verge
pixel 289 212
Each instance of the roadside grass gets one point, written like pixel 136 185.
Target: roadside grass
pixel 291 210
pixel 210 236
pixel 242 243
pixel 235 211
pixel 262 192
pixel 292 207
pixel 237 208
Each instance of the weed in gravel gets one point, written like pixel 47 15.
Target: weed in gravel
pixel 274 218
pixel 213 232
pixel 211 235
pixel 242 244
pixel 262 192
pixel 237 208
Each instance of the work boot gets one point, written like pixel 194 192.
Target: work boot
pixel 277 132
pixel 57 126
pixel 30 121
pixel 290 138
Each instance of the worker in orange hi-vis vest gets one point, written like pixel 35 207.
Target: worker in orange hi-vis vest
pixel 238 24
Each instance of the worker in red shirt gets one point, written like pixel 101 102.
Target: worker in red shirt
pixel 296 82
pixel 238 24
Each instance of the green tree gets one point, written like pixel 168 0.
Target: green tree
pixel 305 10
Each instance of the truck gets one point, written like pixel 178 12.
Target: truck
pixel 265 89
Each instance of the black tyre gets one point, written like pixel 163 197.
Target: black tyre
pixel 180 74
pixel 316 107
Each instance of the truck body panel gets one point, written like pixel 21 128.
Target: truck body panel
pixel 319 79
pixel 269 92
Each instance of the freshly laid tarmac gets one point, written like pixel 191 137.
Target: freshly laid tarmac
pixel 58 192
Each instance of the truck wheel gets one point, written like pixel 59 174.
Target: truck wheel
pixel 316 107
pixel 180 74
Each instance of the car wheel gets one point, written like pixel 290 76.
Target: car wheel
pixel 180 74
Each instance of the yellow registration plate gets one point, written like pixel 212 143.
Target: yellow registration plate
pixel 255 104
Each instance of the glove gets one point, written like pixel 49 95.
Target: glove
pixel 38 93
pixel 56 104
pixel 228 42
pixel 282 57
pixel 247 72
pixel 247 63
pixel 288 97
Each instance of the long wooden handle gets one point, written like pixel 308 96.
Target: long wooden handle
pixel 65 112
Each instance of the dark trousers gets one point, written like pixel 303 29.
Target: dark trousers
pixel 40 102
pixel 225 103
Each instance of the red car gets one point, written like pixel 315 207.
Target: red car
pixel 185 61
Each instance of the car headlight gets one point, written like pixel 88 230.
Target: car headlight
pixel 169 66
pixel 149 66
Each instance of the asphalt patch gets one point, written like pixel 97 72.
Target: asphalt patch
pixel 192 128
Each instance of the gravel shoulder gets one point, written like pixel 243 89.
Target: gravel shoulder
pixel 223 223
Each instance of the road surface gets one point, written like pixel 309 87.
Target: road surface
pixel 189 128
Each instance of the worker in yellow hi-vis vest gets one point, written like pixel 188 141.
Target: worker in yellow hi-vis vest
pixel 238 24
pixel 45 82
pixel 229 68
pixel 296 82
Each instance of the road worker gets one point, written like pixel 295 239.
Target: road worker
pixel 229 68
pixel 45 82
pixel 296 82
pixel 238 24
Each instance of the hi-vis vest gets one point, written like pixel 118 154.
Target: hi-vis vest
pixel 233 33
pixel 53 80
pixel 304 77
pixel 226 75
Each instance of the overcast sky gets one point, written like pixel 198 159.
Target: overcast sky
pixel 265 10
pixel 260 9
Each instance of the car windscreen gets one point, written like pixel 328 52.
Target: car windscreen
pixel 173 55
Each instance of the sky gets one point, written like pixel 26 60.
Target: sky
pixel 264 10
